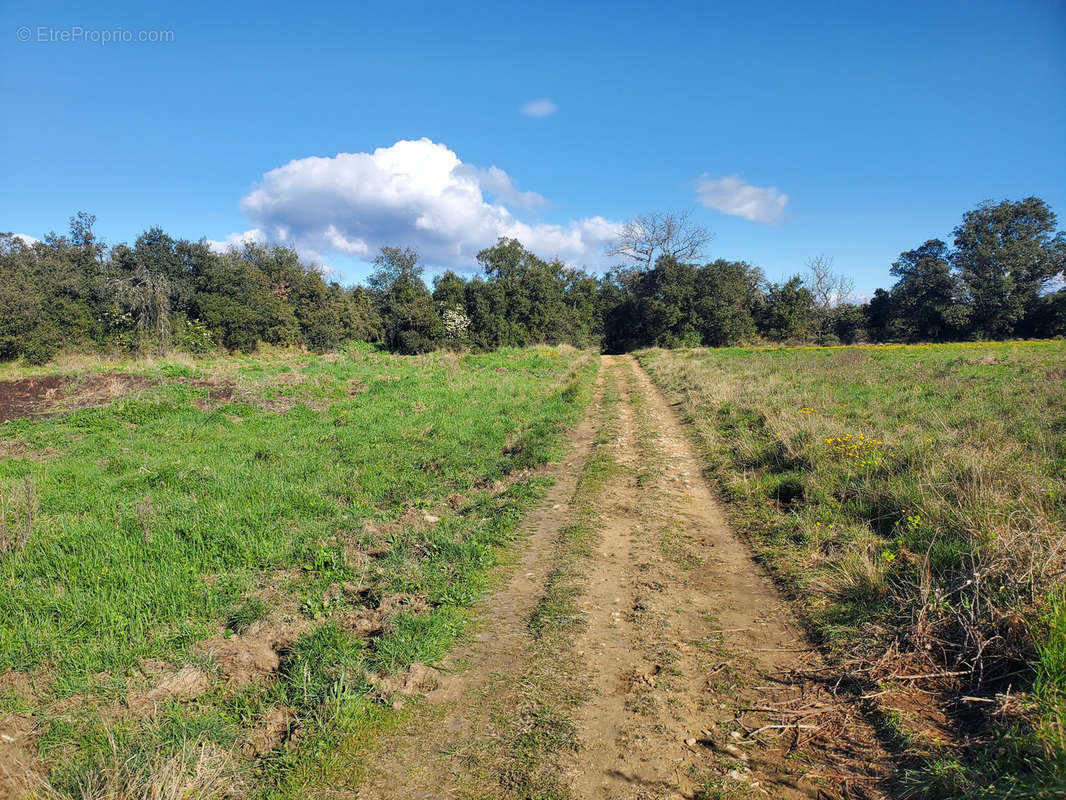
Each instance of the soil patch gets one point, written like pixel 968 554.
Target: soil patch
pixel 175 685
pixel 19 766
pixel 273 730
pixel 53 394
pixel 253 657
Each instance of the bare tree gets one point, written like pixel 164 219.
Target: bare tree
pixel 646 237
pixel 828 289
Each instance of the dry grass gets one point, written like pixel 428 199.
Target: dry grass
pixel 912 499
pixel 199 770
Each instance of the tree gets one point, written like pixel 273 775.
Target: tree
pixel 828 289
pixel 530 299
pixel 647 237
pixel 927 302
pixel 728 298
pixel 879 314
pixel 410 322
pixel 393 264
pixel 449 291
pixel 146 296
pixel 229 291
pixel 361 320
pixel 159 254
pixel 1006 254
pixel 787 315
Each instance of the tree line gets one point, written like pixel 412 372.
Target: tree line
pixel 1002 278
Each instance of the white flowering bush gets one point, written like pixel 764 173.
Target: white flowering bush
pixel 456 326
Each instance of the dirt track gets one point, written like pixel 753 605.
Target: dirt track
pixel 682 634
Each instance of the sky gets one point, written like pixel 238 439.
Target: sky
pixel 787 129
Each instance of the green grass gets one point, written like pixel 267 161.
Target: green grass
pixel 910 497
pixel 164 519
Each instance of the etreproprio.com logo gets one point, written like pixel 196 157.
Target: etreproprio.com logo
pixel 76 34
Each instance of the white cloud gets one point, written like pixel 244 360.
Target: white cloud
pixel 26 239
pixel 731 195
pixel 236 240
pixel 494 181
pixel 541 107
pixel 413 193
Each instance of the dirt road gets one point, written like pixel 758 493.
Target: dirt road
pixel 666 669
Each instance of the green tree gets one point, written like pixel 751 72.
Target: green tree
pixel 410 322
pixel 927 297
pixel 449 290
pixel 362 323
pixel 146 297
pixel 728 298
pixel 787 315
pixel 1006 254
pixel 879 314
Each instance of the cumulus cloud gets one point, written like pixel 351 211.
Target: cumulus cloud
pixel 255 236
pixel 26 239
pixel 497 183
pixel 731 195
pixel 541 107
pixel 413 193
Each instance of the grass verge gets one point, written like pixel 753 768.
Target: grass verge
pixel 911 499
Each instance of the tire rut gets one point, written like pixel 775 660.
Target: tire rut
pixel 685 631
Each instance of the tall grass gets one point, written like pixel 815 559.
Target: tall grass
pixel 912 499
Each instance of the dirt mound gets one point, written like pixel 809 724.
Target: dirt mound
pixel 218 393
pixel 374 621
pixel 255 655
pixel 180 685
pixel 53 394
pixel 22 686
pixel 272 731
pixel 416 679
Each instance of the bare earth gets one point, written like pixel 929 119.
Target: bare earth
pixel 680 679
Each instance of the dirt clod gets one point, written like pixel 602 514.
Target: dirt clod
pixel 416 679
pixel 271 732
pixel 254 656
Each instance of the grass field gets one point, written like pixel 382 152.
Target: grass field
pixel 240 556
pixel 913 502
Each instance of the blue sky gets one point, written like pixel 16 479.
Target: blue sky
pixel 787 129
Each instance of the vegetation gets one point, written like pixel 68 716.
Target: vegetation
pixel 210 579
pixel 1002 279
pixel 913 500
